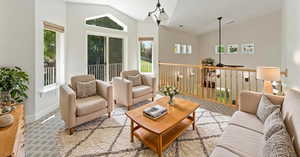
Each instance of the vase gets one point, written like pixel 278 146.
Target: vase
pixel 171 100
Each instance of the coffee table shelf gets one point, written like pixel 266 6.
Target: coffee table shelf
pixel 151 139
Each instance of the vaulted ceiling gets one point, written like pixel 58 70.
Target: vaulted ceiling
pixel 197 16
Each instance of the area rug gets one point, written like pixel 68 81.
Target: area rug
pixel 110 137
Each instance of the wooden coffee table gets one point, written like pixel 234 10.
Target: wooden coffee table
pixel 159 134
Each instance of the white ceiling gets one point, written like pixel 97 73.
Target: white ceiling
pixel 197 16
pixel 137 9
pixel 200 16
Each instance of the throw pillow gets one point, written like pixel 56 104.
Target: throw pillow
pixel 273 124
pixel 265 108
pixel 279 144
pixel 136 80
pixel 86 89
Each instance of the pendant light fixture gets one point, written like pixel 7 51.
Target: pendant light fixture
pixel 220 43
pixel 159 14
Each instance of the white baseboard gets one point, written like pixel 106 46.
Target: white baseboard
pixel 40 114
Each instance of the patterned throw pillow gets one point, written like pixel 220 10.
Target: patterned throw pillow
pixel 86 89
pixel 136 80
pixel 265 108
pixel 273 124
pixel 279 145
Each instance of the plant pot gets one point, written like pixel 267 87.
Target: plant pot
pixel 5 98
pixel 6 120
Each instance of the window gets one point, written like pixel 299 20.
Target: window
pixel 146 51
pixel 106 22
pixel 182 49
pixel 189 49
pixel 49 57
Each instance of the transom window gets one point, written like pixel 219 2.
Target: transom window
pixel 106 21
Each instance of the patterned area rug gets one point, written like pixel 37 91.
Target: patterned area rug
pixel 110 137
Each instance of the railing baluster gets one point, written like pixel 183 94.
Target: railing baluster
pixel 249 80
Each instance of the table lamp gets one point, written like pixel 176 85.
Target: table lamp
pixel 268 74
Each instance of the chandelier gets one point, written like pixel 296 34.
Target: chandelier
pixel 158 14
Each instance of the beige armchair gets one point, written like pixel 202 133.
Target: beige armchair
pixel 75 111
pixel 127 94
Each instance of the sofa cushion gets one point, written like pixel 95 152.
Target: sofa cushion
pixel 290 111
pixel 136 80
pixel 86 89
pixel 279 144
pixel 247 120
pixel 265 108
pixel 141 91
pixel 273 124
pixel 242 141
pixel 89 105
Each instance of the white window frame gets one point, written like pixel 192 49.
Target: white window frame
pixel 60 63
pixel 119 22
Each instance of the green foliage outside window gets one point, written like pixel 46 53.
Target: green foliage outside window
pixel 104 22
pixel 146 56
pixel 49 48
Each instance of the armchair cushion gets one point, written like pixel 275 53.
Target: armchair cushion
pixel 80 78
pixel 89 105
pixel 141 91
pixel 86 89
pixel 125 74
pixel 136 80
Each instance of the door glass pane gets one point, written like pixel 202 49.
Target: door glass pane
pixel 96 56
pixel 146 56
pixel 115 57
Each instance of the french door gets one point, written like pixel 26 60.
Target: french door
pixel 105 56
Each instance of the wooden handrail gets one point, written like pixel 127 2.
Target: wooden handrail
pixel 216 84
pixel 216 68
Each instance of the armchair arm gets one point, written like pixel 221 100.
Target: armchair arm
pixel 149 80
pixel 67 102
pixel 249 101
pixel 104 89
pixel 122 90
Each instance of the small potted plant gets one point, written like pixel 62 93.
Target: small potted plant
pixel 171 92
pixel 208 62
pixel 13 86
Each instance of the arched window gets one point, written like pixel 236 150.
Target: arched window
pixel 106 21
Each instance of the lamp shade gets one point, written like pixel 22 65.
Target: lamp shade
pixel 163 15
pixel 268 73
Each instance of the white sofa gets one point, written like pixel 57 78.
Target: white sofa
pixel 244 135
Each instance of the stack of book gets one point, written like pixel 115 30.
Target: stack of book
pixel 155 112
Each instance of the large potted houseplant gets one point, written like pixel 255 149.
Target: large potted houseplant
pixel 13 86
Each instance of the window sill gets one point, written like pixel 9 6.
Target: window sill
pixel 49 88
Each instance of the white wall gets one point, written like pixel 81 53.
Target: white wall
pixel 77 34
pixel 17 41
pixel 52 11
pixel 168 37
pixel 291 42
pixel 264 32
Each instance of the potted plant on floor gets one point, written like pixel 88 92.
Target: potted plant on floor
pixel 13 86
